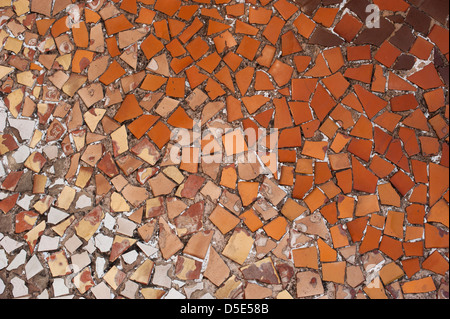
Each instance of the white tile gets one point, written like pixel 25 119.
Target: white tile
pixel 18 261
pixel 25 201
pixel 10 244
pixel 100 263
pixel 103 243
pixel 55 216
pixel 2 286
pixel 83 202
pixel 48 243
pixel 73 243
pixel 90 247
pixel 130 257
pixel 59 287
pixel 43 295
pixel 51 151
pixel 19 287
pixel 33 267
pixel 3 259
pixel 130 289
pixel 2 170
pixel 80 261
pixel 160 277
pixel 2 120
pixel 101 291
pixel 147 249
pixel 21 154
pixel 25 127
pixel 125 227
pixel 174 294
pixel 109 221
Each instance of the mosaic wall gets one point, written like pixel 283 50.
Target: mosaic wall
pixel 169 149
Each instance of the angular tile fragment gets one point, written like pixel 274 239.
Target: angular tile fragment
pixel 238 246
pixel 90 223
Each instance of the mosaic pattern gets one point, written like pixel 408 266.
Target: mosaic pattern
pixel 98 201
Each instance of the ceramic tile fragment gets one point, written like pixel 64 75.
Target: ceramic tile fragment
pixel 354 193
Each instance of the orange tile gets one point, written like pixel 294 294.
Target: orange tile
pixel 356 228
pixel 305 257
pixel 160 134
pixel 419 286
pixel 113 72
pixel 248 47
pixel 223 220
pixel 251 220
pixel 181 119
pixel 276 228
pixel 273 29
pixel 348 27
pixel 325 16
pixel 339 236
pixel 411 266
pixel 176 87
pixel 426 78
pixel 117 24
pixel 304 25
pixel 142 124
pixel 169 7
pixel 145 16
pixel 151 46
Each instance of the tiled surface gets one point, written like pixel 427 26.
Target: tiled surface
pixel 92 206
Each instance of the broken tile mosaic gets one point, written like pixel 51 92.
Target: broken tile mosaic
pixel 101 198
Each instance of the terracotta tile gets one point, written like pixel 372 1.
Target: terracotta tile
pixel 356 228
pixel 426 78
pixel 435 237
pixel 357 53
pixel 391 247
pixel 435 99
pixel 223 41
pixel 337 84
pixel 322 103
pixel 371 240
pixel 304 25
pixel 244 78
pixel 302 186
pixel 361 73
pixel 172 243
pixel 248 192
pixel 259 15
pixel 381 167
pixel 348 27
pixel 419 286
pixel 223 219
pixel 413 249
pixel 399 154
pixel 302 89
pixel 411 266
pixel 117 24
pixel 439 36
pixel 281 72
pixel 251 220
pixel 334 272
pixel 413 233
pixel 309 284
pixel 345 180
pixel 305 257
pixel 276 228
pixel 320 68
pixel 339 142
pixel 168 7
pixel 436 263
